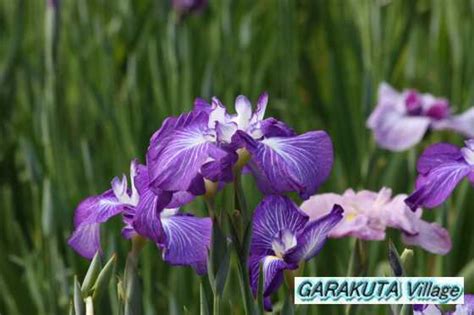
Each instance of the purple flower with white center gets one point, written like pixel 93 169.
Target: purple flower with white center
pixel 461 309
pixel 280 160
pixel 368 214
pixel 400 120
pixel 282 237
pixel 441 167
pixel 183 238
pixel 205 144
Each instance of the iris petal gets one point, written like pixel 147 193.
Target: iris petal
pixel 273 214
pixel 284 164
pixel 272 267
pixel 311 240
pixel 174 163
pixel 463 123
pixel 436 186
pixel 187 240
pixel 396 131
pixel 431 236
pixel 436 155
pixel 87 218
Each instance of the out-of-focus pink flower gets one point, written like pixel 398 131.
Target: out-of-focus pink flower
pixel 368 214
pixel 186 6
pixel 401 119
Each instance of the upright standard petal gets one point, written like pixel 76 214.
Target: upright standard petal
pixel 436 186
pixel 311 240
pixel 174 159
pixel 186 241
pixel 87 219
pixel 430 236
pixel 284 164
pixel 273 214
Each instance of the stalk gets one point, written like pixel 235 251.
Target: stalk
pixel 133 305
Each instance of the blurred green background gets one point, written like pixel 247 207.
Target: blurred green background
pixel 83 87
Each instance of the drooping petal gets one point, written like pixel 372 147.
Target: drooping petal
pixel 311 240
pixel 431 236
pixel 397 131
pixel 463 123
pixel 436 186
pixel 437 154
pixel 202 105
pixel 273 214
pixel 175 166
pixel 87 218
pixel 85 240
pixel 187 240
pixel 284 164
pixel 146 220
pixel 272 267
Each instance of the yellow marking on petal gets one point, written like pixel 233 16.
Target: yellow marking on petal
pixel 350 217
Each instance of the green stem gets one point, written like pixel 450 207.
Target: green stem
pixel 132 280
pixel 217 300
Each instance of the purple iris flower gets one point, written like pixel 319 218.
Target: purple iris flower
pixel 183 238
pixel 205 144
pixel 441 167
pixel 400 120
pixel 461 309
pixel 283 237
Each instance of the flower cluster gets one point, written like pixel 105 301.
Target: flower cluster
pixel 195 154
pixel 198 152
pixel 400 120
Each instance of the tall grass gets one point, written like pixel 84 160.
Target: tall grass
pixel 84 85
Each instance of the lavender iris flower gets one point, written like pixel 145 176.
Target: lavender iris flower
pixel 461 309
pixel 283 237
pixel 368 214
pixel 441 167
pixel 184 239
pixel 205 144
pixel 400 120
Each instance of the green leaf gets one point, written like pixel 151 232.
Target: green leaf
pixel 203 304
pixel 103 279
pixel 91 275
pixel 79 306
pixel 288 306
